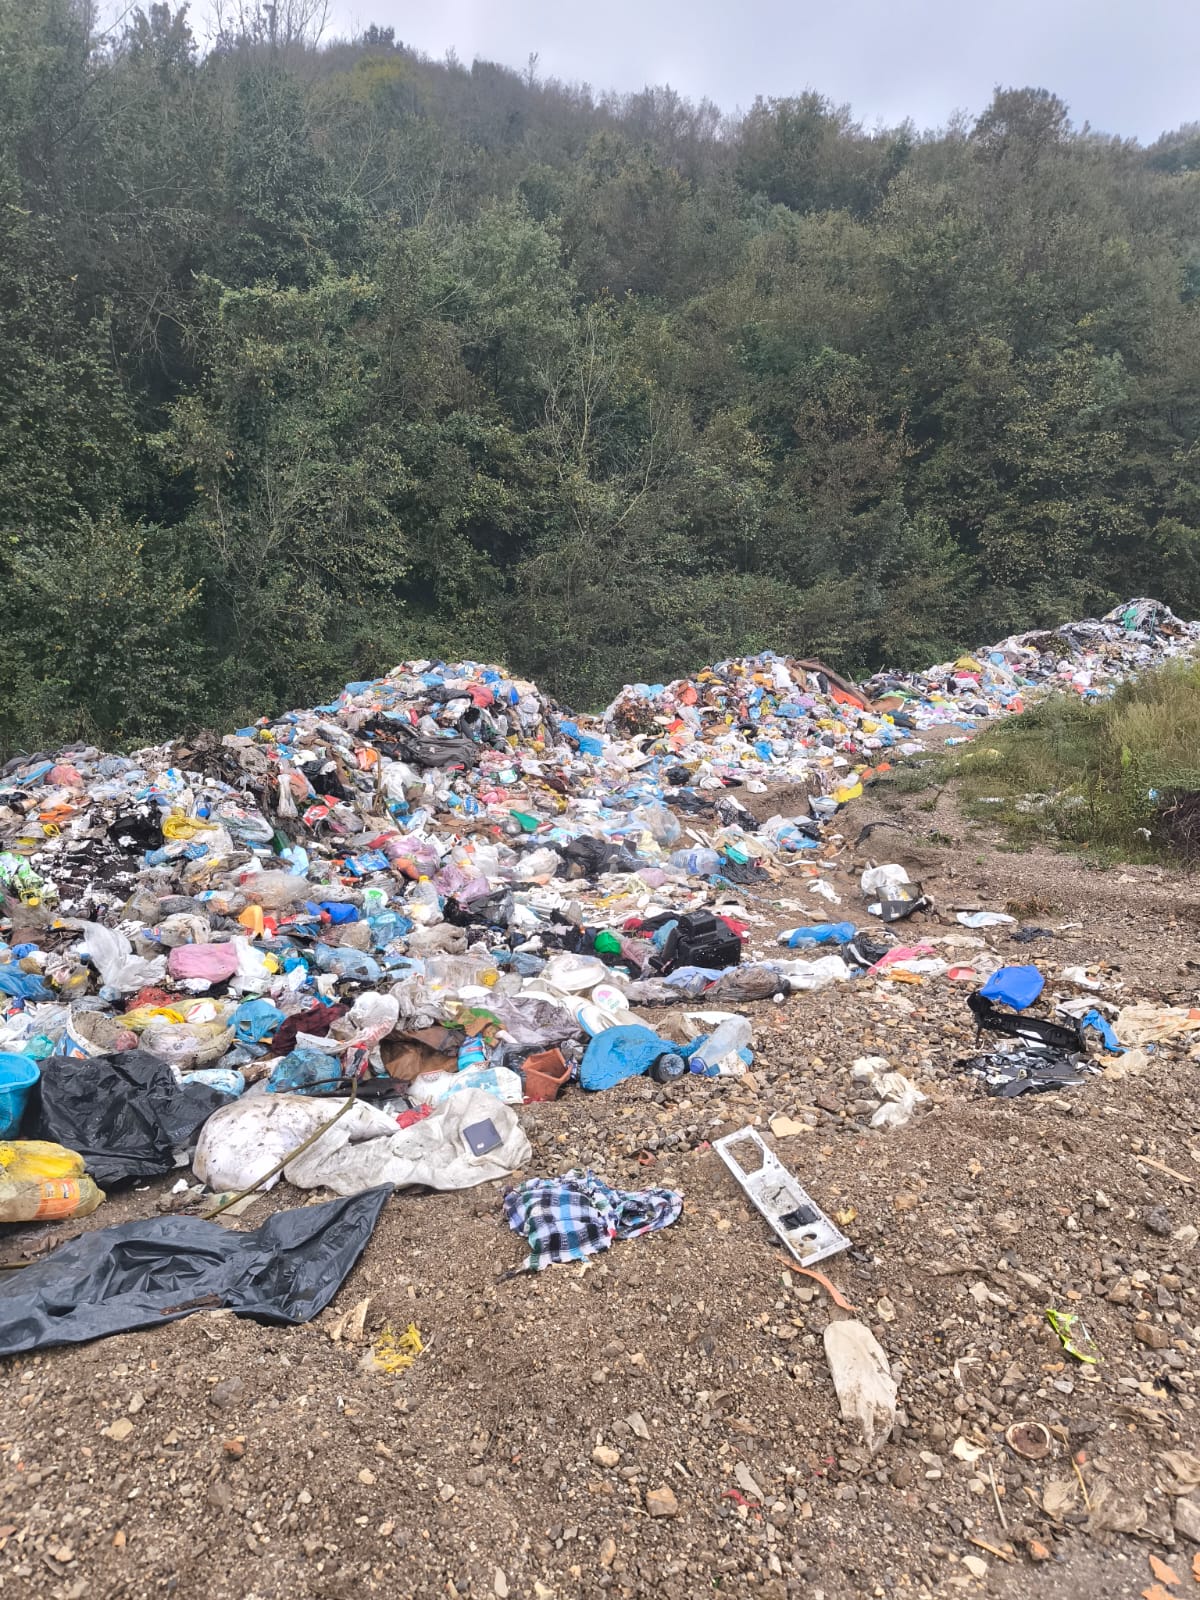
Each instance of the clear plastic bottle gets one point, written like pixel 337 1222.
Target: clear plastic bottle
pixel 424 904
pixel 730 1036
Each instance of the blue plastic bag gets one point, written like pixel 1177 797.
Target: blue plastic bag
pixel 620 1053
pixel 255 1020
pixel 1017 987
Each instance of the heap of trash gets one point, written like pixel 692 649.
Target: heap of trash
pixel 345 946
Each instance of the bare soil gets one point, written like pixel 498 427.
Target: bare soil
pixel 693 1354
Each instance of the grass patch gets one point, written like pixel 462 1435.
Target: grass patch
pixel 1100 778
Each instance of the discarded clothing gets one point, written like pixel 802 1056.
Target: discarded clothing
pixel 142 1274
pixel 578 1215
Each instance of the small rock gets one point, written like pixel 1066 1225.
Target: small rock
pixel 446 1492
pixel 885 1310
pixel 136 1401
pixel 1151 1335
pixel 500 1584
pixel 976 1566
pixel 1157 1220
pixel 604 1456
pixel 366 1476
pixel 220 1495
pixel 902 1476
pixel 226 1393
pixel 661 1502
pixel 1187 1518
pixel 1037 1550
pixel 637 1423
pixel 476 1477
pixel 234 1447
pixel 119 1430
pixel 608 1552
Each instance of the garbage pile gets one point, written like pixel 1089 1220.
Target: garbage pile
pixel 343 945
pixel 768 718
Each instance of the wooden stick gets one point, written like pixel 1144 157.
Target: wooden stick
pixel 996 1498
pixel 1159 1167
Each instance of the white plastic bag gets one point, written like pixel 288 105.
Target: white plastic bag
pixel 111 953
pixel 882 881
pixel 865 1387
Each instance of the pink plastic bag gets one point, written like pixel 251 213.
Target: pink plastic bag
pixel 213 962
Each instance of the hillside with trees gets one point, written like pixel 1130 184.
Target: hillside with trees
pixel 316 355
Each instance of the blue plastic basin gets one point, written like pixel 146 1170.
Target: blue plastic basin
pixel 18 1074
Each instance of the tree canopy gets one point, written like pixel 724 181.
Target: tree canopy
pixel 315 356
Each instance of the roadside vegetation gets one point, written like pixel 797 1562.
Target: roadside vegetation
pixel 1120 778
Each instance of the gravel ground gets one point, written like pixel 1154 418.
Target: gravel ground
pixel 525 1453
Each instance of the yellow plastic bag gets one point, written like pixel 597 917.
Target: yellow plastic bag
pixel 43 1182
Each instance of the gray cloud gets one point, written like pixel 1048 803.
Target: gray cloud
pixel 1126 68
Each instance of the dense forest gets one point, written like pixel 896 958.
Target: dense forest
pixel 318 355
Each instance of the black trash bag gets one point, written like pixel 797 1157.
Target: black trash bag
pixel 126 1113
pixel 420 750
pixel 740 872
pixel 587 857
pixel 142 1274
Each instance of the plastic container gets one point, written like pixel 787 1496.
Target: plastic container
pixel 544 1073
pixel 726 1040
pixel 667 1068
pixel 18 1074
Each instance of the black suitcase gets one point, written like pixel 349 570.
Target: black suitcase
pixel 700 940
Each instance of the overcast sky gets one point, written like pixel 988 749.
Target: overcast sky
pixel 1128 67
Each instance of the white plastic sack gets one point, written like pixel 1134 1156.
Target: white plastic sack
pixel 433 1152
pixel 882 881
pixel 244 1140
pixel 804 975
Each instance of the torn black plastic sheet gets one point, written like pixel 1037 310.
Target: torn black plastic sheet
pixel 140 1274
pixel 1030 1068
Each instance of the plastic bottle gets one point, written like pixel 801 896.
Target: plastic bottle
pixel 726 1040
pixel 423 904
pixel 697 863
pixel 817 933
pixel 667 1068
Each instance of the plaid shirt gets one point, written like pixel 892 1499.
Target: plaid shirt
pixel 573 1217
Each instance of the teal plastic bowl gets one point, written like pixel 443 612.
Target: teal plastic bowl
pixel 18 1074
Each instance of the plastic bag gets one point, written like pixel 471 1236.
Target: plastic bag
pixel 865 1387
pixel 431 1088
pixel 43 1182
pixel 111 953
pixel 209 963
pixel 126 1114
pixel 142 1274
